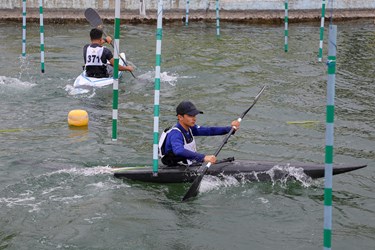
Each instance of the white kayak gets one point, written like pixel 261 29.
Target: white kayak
pixel 83 81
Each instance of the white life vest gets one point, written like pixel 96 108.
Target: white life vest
pixel 94 56
pixel 188 146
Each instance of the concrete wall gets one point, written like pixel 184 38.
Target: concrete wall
pixel 194 4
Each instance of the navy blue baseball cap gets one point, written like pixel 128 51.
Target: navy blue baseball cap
pixel 188 108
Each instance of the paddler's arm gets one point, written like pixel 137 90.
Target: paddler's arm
pixel 120 67
pixel 211 131
pixel 177 143
pixel 108 40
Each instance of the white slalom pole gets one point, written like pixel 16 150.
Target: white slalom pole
pixel 187 13
pixel 142 8
pixel 217 19
pixel 24 28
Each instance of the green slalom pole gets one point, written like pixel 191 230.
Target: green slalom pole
pixel 217 19
pixel 115 71
pixel 41 36
pixel 159 32
pixel 187 13
pixel 24 28
pixel 286 27
pixel 320 54
pixel 327 233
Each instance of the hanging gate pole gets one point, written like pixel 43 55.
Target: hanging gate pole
pixel 41 36
pixel 187 13
pixel 159 32
pixel 320 54
pixel 24 28
pixel 116 47
pixel 286 27
pixel 327 233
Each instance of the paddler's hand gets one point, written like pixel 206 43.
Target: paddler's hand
pixel 129 68
pixel 125 68
pixel 210 158
pixel 108 39
pixel 236 125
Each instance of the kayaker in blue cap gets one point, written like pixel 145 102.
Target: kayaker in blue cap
pixel 177 144
pixel 96 56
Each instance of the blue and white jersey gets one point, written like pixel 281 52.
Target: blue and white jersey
pixel 175 140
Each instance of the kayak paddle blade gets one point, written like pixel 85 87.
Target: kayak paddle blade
pixel 93 18
pixel 194 188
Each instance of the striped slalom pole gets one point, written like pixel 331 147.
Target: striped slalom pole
pixel 41 36
pixel 286 27
pixel 320 54
pixel 24 28
pixel 327 233
pixel 159 32
pixel 116 45
pixel 187 13
pixel 142 7
pixel 217 19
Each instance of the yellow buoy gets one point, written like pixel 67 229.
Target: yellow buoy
pixel 78 118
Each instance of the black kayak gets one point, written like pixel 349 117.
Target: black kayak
pixel 240 169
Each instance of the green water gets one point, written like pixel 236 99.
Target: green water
pixel 56 188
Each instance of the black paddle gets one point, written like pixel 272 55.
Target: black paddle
pixel 94 19
pixel 194 188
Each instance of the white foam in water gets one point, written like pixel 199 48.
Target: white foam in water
pixel 78 91
pixel 263 200
pixel 85 171
pixel 34 200
pixel 50 190
pixel 25 202
pixel 170 78
pixel 289 172
pixel 108 186
pixel 278 174
pixel 210 182
pixel 92 219
pixel 15 83
pixel 66 199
